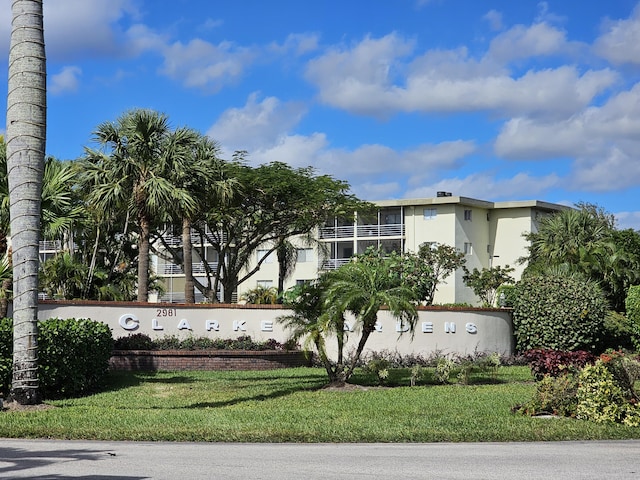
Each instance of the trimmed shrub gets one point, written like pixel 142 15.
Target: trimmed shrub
pixel 73 355
pixel 632 305
pixel 141 341
pixel 544 362
pixel 559 313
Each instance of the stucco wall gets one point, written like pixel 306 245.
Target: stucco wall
pixel 450 331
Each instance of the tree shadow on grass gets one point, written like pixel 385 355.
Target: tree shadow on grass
pixel 16 463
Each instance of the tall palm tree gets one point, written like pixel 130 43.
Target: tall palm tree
pixel 26 139
pixel 201 177
pixel 133 172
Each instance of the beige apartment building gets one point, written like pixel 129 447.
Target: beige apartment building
pixel 489 234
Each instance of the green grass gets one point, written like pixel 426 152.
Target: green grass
pixel 291 406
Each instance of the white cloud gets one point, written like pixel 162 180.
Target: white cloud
pixel 539 39
pixel 620 43
pixel 603 141
pixel 370 78
pixel 65 81
pixel 495 20
pixel 79 28
pixel 628 220
pixel 297 44
pixel 487 187
pixel 201 64
pixel 259 124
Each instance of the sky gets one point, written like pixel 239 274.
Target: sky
pixel 497 99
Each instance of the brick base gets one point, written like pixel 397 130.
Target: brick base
pixel 175 360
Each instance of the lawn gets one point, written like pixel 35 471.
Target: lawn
pixel 291 405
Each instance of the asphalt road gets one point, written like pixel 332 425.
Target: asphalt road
pixel 55 459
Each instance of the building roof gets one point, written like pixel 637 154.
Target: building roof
pixel 472 202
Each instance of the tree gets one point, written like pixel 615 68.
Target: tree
pixel 133 173
pixel 205 181
pixel 584 240
pixel 485 282
pixel 26 138
pixel 277 203
pixel 315 321
pixel 429 267
pixel 362 287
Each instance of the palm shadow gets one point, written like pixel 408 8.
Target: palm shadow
pixel 14 460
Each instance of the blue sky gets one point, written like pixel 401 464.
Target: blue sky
pixel 495 99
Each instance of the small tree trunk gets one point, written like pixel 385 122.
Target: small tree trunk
pixel 187 262
pixel 143 260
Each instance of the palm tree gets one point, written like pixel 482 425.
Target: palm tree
pixel 134 174
pixel 202 178
pixel 26 137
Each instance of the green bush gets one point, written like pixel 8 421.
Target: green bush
pixel 559 313
pixel 73 356
pixel 554 396
pixel 619 331
pixel 141 341
pixel 632 305
pixel 600 398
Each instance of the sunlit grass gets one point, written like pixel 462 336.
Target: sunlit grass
pixel 291 406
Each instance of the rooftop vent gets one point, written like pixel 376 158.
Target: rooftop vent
pixel 443 194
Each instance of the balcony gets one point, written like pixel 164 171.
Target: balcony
pixel 385 230
pixel 50 246
pixel 333 263
pixel 198 268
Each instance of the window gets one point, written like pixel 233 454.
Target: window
pixel 305 255
pixel 429 213
pixel 302 282
pixel 467 215
pixel 264 283
pixel 468 248
pixel 263 253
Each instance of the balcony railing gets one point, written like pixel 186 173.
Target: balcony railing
pixel 50 245
pixel 390 230
pixel 333 263
pixel 337 232
pixel 198 268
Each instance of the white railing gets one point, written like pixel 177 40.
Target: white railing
pixel 333 263
pixel 197 268
pixel 337 232
pixel 391 230
pixel 50 245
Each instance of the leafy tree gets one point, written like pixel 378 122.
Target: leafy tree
pixel 486 282
pixel 134 172
pixel 584 240
pixel 26 134
pixel 429 267
pixel 277 203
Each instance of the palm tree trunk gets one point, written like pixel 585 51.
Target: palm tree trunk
pixel 4 297
pixel 187 263
pixel 26 139
pixel 143 259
